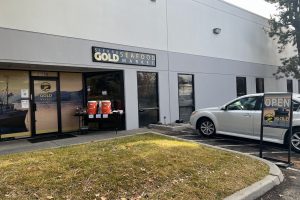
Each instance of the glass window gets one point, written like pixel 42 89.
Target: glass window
pixel 260 86
pixel 296 106
pixel 289 83
pixel 186 96
pixel 14 102
pixel 107 85
pixel 46 108
pixel 241 86
pixel 71 98
pixel 248 103
pixel 147 90
pixel 148 98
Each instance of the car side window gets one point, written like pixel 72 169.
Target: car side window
pixel 259 101
pixel 247 103
pixel 296 106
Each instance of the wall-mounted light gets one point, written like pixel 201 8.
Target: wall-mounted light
pixel 217 31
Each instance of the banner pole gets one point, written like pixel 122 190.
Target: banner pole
pixel 291 131
pixel 262 127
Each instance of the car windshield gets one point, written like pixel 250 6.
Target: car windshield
pixel 296 98
pixel 296 103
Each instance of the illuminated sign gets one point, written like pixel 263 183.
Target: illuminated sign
pixel 277 110
pixel 116 56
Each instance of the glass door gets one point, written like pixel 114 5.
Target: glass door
pixel 148 98
pixel 45 105
pixel 186 96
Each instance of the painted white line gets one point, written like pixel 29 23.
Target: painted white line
pixel 210 140
pixel 185 132
pixel 189 135
pixel 236 145
pixel 293 169
pixel 272 152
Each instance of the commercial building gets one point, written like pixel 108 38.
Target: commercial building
pixel 157 60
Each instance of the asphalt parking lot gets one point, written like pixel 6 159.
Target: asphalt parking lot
pixel 288 190
pixel 271 150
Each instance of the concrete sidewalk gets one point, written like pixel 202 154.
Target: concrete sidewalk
pixel 23 145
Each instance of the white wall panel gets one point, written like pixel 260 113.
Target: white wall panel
pixel 214 90
pixel 273 85
pixel 174 106
pixel 140 23
pixel 164 97
pixel 131 99
pixel 242 37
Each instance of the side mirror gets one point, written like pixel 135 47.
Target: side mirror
pixel 223 108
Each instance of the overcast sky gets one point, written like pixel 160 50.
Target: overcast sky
pixel 257 6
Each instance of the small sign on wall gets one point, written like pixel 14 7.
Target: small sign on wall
pixel 25 104
pixel 24 93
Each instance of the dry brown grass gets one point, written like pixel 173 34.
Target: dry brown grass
pixel 145 166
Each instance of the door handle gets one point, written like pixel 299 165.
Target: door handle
pixel 141 110
pixel 34 107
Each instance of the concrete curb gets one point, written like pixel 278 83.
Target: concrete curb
pixel 255 190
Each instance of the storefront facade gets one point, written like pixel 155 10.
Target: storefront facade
pixel 155 65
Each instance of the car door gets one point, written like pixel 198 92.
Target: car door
pixel 237 117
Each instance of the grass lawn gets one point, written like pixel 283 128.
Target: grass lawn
pixel 145 166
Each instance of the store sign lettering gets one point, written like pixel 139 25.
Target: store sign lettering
pixel 106 57
pixel 277 102
pixel 46 95
pixel 123 57
pixel 277 110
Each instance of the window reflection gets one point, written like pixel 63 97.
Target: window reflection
pixel 247 103
pixel 260 87
pixel 186 96
pixel 14 106
pixel 148 98
pixel 289 85
pixel 241 86
pixel 147 88
pixel 71 98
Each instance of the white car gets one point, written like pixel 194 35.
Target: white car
pixel 241 117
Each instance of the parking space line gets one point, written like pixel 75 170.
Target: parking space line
pixel 210 140
pixel 189 135
pixel 293 169
pixel 236 145
pixel 271 152
pixel 186 132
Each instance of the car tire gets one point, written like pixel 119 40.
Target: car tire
pixel 206 127
pixel 296 140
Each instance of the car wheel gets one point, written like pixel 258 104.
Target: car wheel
pixel 206 128
pixel 295 140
